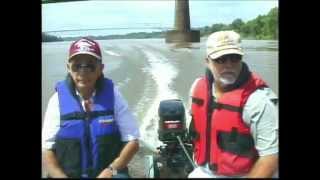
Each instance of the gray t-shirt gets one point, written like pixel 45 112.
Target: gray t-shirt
pixel 261 114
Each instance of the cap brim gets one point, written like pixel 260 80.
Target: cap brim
pixel 88 53
pixel 218 54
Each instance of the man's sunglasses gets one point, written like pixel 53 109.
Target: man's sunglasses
pixel 89 67
pixel 234 58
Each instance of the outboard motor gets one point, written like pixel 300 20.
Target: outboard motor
pixel 173 158
pixel 172 121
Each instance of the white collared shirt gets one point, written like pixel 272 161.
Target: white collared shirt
pixel 124 118
pixel 82 100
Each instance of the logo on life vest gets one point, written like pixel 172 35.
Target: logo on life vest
pixel 106 121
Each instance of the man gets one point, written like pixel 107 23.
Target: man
pixel 88 129
pixel 234 121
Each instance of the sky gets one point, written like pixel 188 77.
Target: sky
pixel 144 13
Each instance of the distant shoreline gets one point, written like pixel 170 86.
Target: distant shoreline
pixel 78 37
pixel 263 27
pixel 130 36
pixel 139 35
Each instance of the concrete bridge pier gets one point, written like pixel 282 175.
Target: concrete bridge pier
pixel 182 31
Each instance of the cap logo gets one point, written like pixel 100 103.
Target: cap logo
pixel 222 38
pixel 225 40
pixel 84 45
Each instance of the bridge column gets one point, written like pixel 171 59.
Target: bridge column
pixel 182 31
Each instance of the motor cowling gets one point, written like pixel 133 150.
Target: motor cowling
pixel 172 120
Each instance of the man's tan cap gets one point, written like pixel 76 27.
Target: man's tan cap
pixel 223 42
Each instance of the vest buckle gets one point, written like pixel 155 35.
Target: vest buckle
pixel 213 167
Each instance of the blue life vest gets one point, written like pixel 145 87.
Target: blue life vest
pixel 87 142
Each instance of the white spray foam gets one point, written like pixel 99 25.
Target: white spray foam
pixel 111 53
pixel 123 83
pixel 162 71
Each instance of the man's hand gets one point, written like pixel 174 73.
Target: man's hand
pixel 126 154
pixel 122 161
pixel 52 166
pixel 106 173
pixel 264 167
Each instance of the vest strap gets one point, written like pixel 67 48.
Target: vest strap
pixel 213 167
pixel 197 101
pixel 84 115
pixel 215 105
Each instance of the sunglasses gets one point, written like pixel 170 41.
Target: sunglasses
pixel 234 58
pixel 89 67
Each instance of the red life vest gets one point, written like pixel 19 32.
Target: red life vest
pixel 231 149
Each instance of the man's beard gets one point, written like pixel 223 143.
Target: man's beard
pixel 227 78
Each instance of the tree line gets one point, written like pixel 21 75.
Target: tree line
pixel 262 27
pixel 50 38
